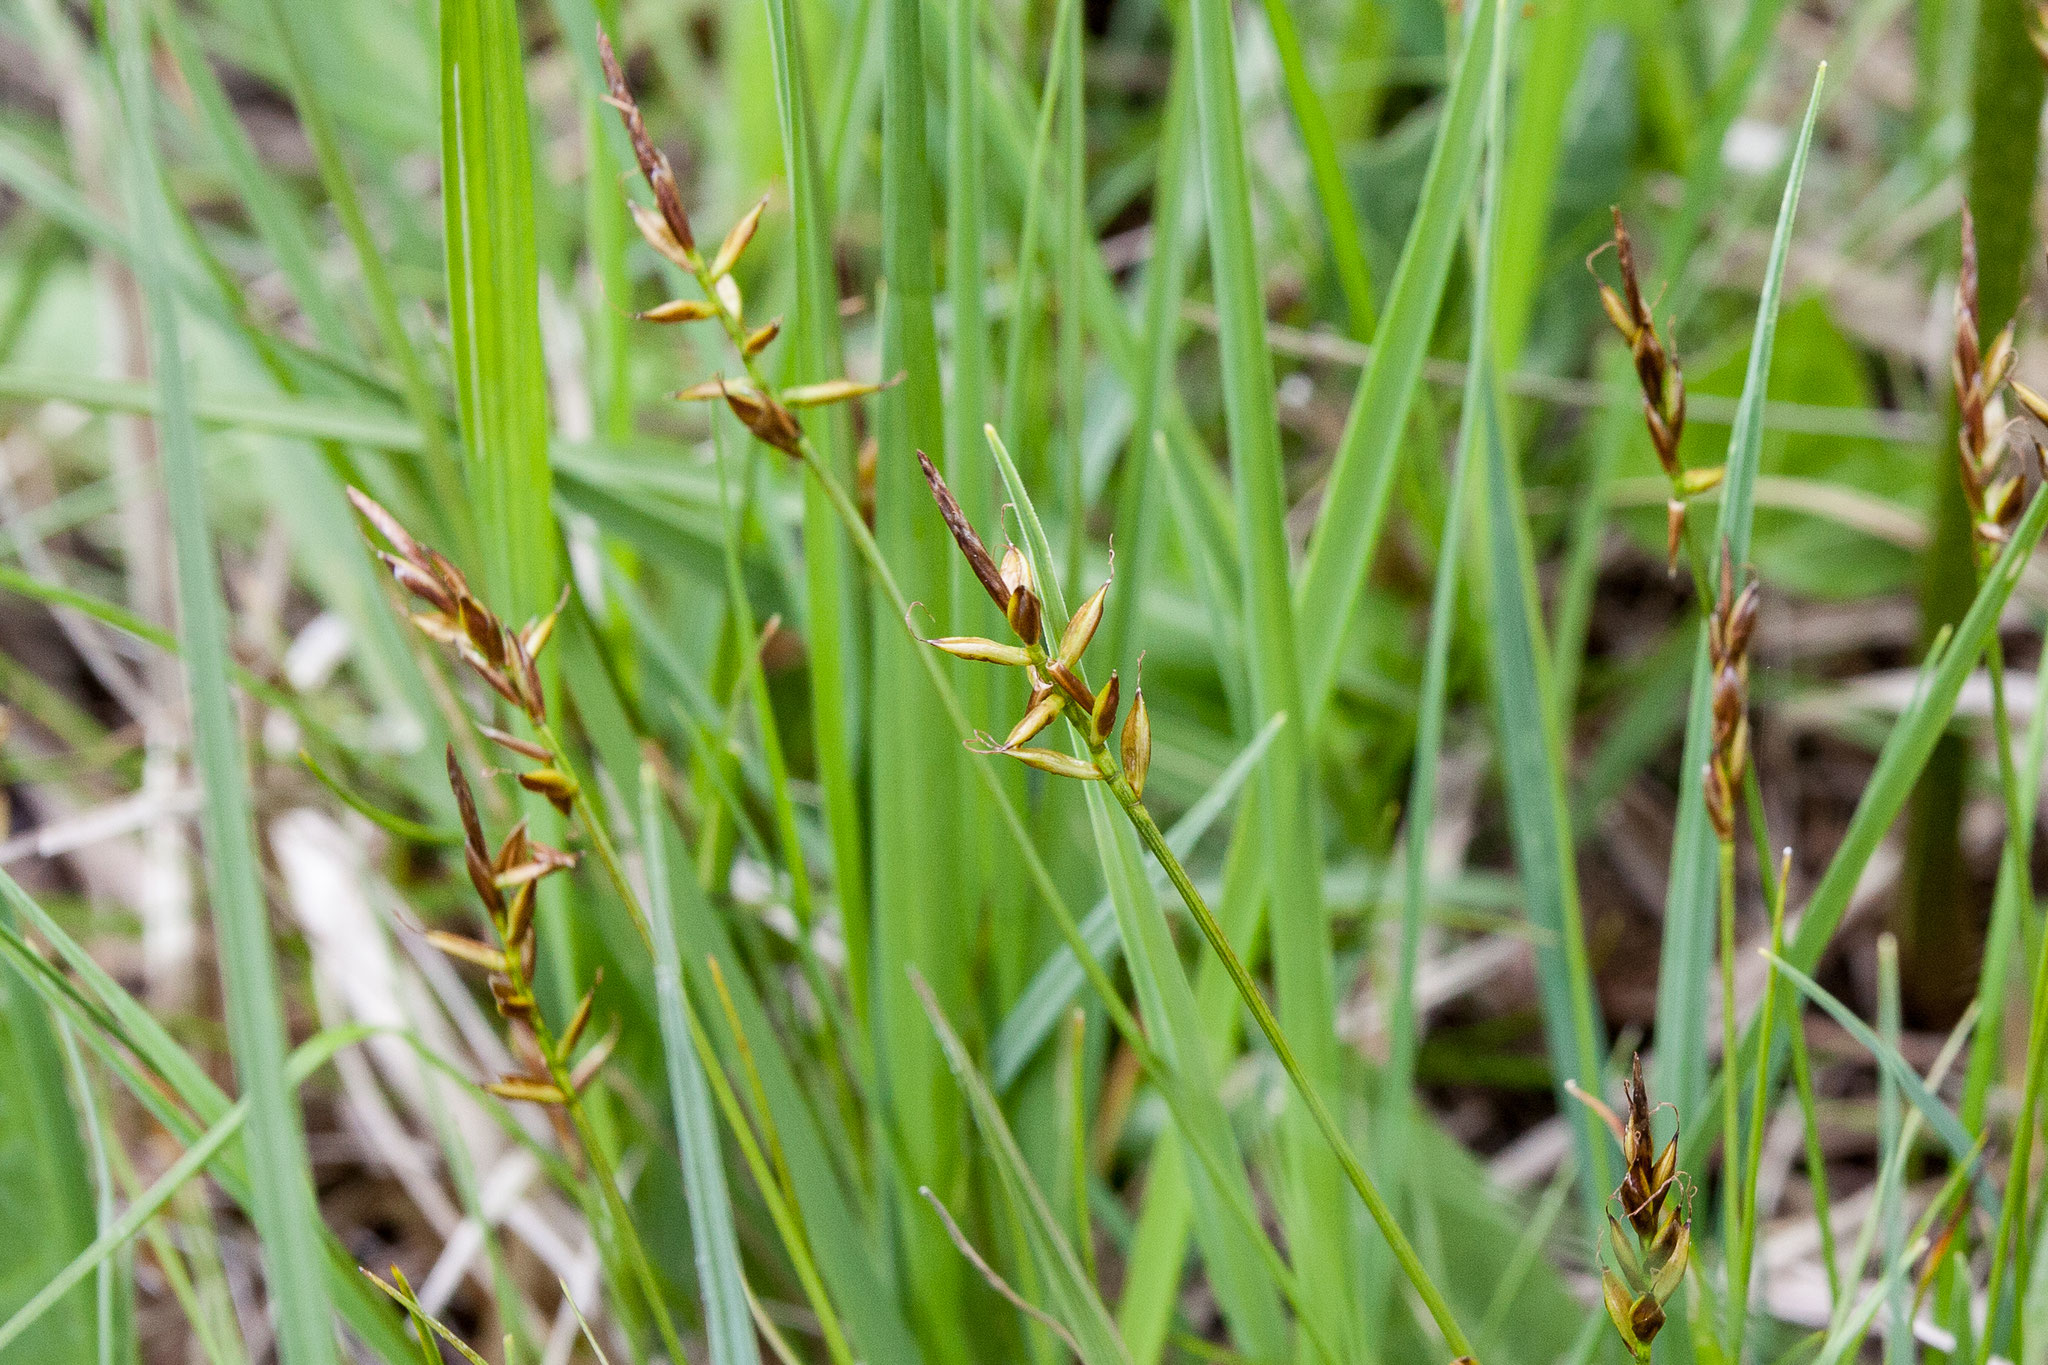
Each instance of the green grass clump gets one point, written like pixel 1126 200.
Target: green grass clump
pixel 825 726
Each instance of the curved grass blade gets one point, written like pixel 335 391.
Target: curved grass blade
pixel 1075 1302
pixel 1045 1000
pixel 309 1057
pixel 1317 1217
pixel 1679 1069
pixel 1361 480
pixel 282 1204
pixel 728 1326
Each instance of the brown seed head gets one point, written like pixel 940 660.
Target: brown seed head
pixel 653 164
pixel 977 555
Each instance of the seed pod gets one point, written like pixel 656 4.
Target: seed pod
pixel 1621 1246
pixel 1697 481
pixel 1069 682
pixel 528 1088
pixel 1045 706
pixel 418 582
pixel 519 921
pixel 1024 616
pixel 770 422
pixel 962 529
pixel 467 950
pixel 387 525
pixel 708 390
pixel 656 232
pixel 594 1060
pixel 525 748
pixel 1103 718
pixel 1674 534
pixel 558 787
pixel 736 240
pixel 1620 1308
pixel 653 164
pixel 984 651
pixel 1673 1270
pixel 1016 569
pixel 1646 1317
pixel 1136 747
pixel 758 339
pixel 830 391
pixel 678 310
pixel 535 637
pixel 1056 763
pixel 512 1001
pixel 1081 628
pixel 2034 403
pixel 727 292
pixel 581 1018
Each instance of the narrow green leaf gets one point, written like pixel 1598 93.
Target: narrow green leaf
pixel 727 1323
pixel 493 298
pixel 309 1057
pixel 1679 1068
pixel 286 1217
pixel 1076 1304
pixel 1314 1209
pixel 1361 480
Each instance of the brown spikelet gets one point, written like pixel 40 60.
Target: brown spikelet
pixel 653 164
pixel 964 536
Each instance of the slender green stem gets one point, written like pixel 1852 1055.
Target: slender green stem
pixel 594 829
pixel 1816 1161
pixel 1743 1255
pixel 1404 1252
pixel 1731 1102
pixel 615 1226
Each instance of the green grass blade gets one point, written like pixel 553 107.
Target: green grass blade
pixel 283 1208
pixel 828 563
pixel 1052 990
pixel 443 470
pixel 1346 241
pixel 44 1180
pixel 916 813
pixel 1362 474
pixel 1533 769
pixel 1314 1209
pixel 728 1326
pixel 1076 1304
pixel 309 1057
pixel 1679 1069
pixel 493 299
pixel 1557 39
pixel 1940 1119
pixel 1175 1025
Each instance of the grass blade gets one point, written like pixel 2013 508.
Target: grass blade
pixel 728 1326
pixel 308 1058
pixel 1077 1305
pixel 493 298
pixel 1361 481
pixel 282 1204
pixel 1314 1210
pixel 1679 1069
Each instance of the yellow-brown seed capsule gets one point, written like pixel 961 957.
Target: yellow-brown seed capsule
pixel 1136 745
pixel 467 950
pixel 678 310
pixel 758 339
pixel 1045 707
pixel 1080 629
pixel 830 391
pixel 736 240
pixel 1103 718
pixel 1056 763
pixel 558 787
pixel 527 1088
